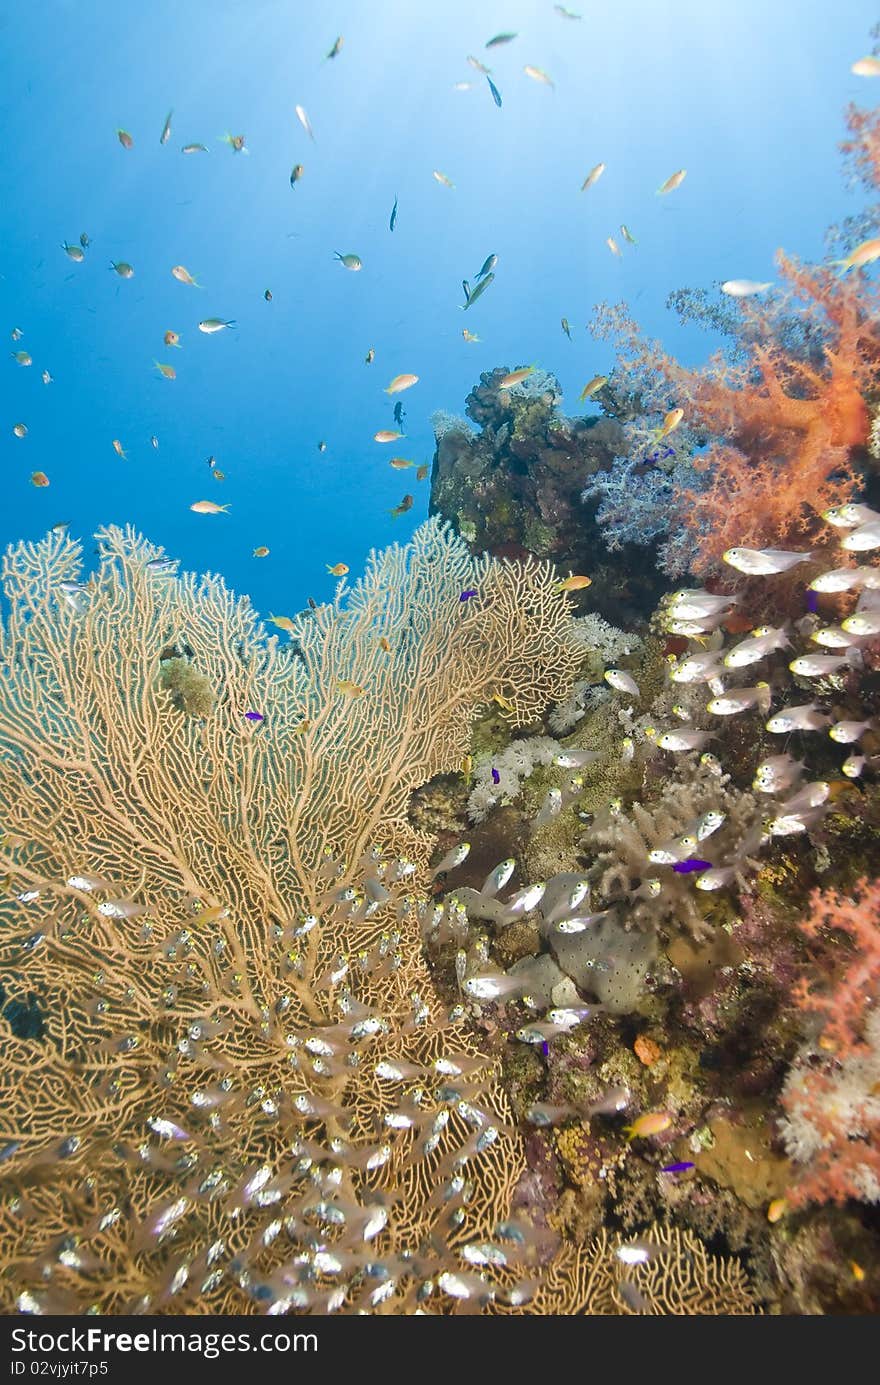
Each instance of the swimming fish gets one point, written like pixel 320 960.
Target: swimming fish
pixel 817 665
pixel 650 1123
pixel 401 382
pixel 866 67
pixel 84 240
pixel 422 472
pixel 864 254
pixel 386 435
pixel 194 149
pixel 627 234
pixel 350 261
pixel 613 246
pixel 743 288
pixel 166 371
pixel 469 336
pixel 538 74
pixel 669 424
pixel 235 142
pixel 863 539
pixel 370 357
pixel 125 139
pixel 758 645
pixel 296 173
pixel 621 681
pixel 39 478
pixel 74 252
pixel 338 569
pixel 406 504
pixel 171 338
pixel 683 740
pixel 499 39
pixel 574 584
pixel 452 859
pixel 261 552
pixel 123 269
pixel 736 700
pixel 844 579
pixel 349 689
pixel 807 717
pixel 763 561
pixel 593 176
pixel 477 65
pixel 283 623
pixel 496 94
pixel 590 388
pixel 393 220
pixel 214 324
pixel 117 448
pixel 674 181
pixel 336 49
pixel 850 516
pixel 398 410
pixel 566 327
pixel 480 289
pixel 400 463
pixel 207 507
pixel 566 13
pixel 442 178
pixel 515 377
pixel 20 430
pixel 166 129
pixel 487 266
pixel 183 276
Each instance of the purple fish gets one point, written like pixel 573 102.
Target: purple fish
pixel 545 1049
pixel 690 865
pixel 496 777
pixel 254 716
pixel 812 600
pixel 678 1168
pixel 466 596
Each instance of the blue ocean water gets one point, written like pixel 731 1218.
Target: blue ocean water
pixel 748 97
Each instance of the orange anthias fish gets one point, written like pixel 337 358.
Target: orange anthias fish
pixel 406 504
pixel 207 507
pixel 515 377
pixel 183 276
pixel 386 435
pixel 400 463
pixel 401 382
pixel 674 181
pixel 574 584
pixel 338 569
pixel 39 478
pixel 651 1123
pixel 422 473
pixel 592 177
pixel 118 449
pixel 171 338
pixel 283 623
pixel 348 688
pixel 670 423
pixel 592 386
pixel 864 254
pixel 166 371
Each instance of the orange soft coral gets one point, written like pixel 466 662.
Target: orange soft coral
pixel 785 429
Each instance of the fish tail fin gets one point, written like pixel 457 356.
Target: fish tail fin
pixel 225 509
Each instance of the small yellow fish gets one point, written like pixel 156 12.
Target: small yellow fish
pixel 171 339
pixel 125 139
pixel 674 181
pixel 467 766
pixel 478 66
pixel 651 1123
pixel 777 1209
pixel 401 382
pixel 166 371
pixel 384 645
pixel 183 276
pixel 39 478
pixel 627 234
pixel 303 727
pixel 538 74
pixel 866 67
pixel 613 246
pixel 235 142
pixel 207 507
pixel 217 474
pixel 118 449
pixel 338 569
pixel 574 584
pixel 400 463
pixel 422 473
pixel 22 358
pixel 261 552
pixel 515 377
pixel 592 386
pixel 348 688
pixel 386 435
pixel 370 357
pixel 864 254
pixel 670 423
pixel 469 336
pixel 283 623
pixel 593 176
pixel 442 178
pixel 858 1273
pixel 212 915
pixel 503 702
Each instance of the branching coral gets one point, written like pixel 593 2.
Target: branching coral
pixel 212 920
pixel 832 1094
